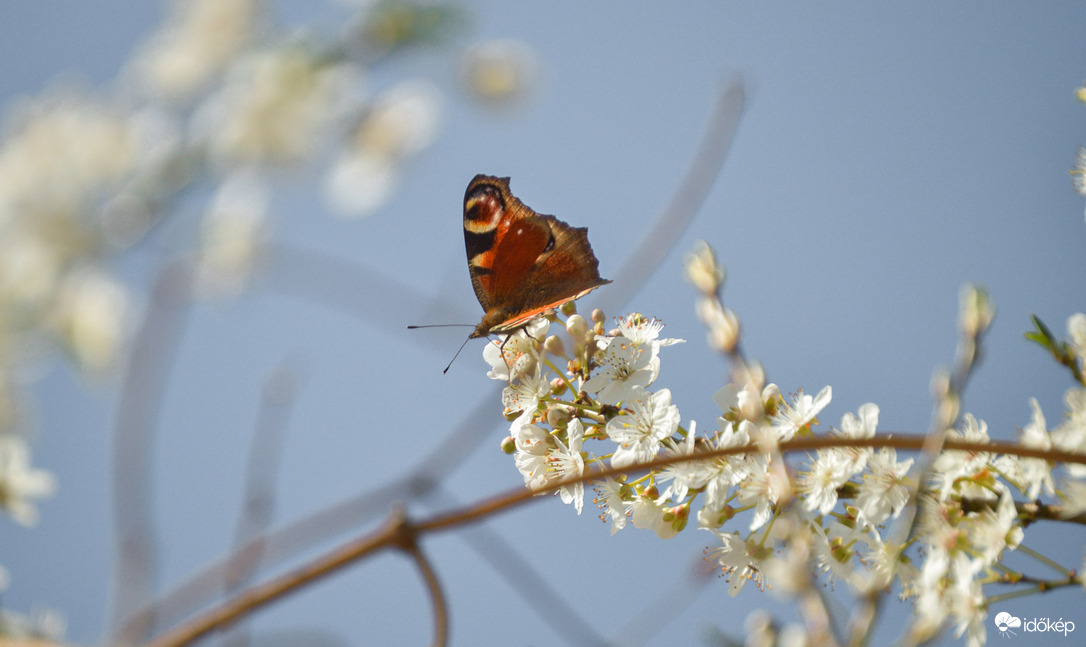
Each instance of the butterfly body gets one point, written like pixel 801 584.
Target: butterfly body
pixel 522 263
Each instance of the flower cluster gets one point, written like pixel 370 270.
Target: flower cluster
pixel 588 398
pixel 218 99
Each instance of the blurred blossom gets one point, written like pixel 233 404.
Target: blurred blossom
pixel 400 123
pixel 29 271
pixel 231 233
pixel 272 106
pixel 19 482
pixel 58 155
pixel 359 184
pixel 702 269
pixel 90 316
pixel 41 628
pixel 1076 330
pixel 61 158
pixel 499 71
pixel 975 310
pixel 197 42
pixel 1078 173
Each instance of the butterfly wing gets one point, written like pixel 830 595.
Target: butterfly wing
pixel 521 263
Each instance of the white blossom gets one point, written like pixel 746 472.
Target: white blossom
pixel 883 492
pixel 567 462
pixel 639 433
pixel 799 413
pixel 19 482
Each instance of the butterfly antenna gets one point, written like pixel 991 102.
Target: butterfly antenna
pixel 456 355
pixel 441 326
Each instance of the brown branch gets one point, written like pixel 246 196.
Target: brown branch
pixel 549 604
pixel 1029 512
pixel 437 595
pixel 397 531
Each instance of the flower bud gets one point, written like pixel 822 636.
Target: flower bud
pixel 577 328
pixel 558 416
pixel 558 386
pixel 553 345
pixel 702 269
pixel 509 445
pixel 724 333
pixel 975 310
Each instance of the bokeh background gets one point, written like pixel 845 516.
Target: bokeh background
pixel 885 156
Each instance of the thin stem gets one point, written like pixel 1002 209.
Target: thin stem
pixel 1044 560
pixel 437 595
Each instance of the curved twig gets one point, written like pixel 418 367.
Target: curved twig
pixel 144 384
pixel 392 535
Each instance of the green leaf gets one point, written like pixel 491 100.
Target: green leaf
pixel 1043 336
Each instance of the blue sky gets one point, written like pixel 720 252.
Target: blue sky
pixel 886 156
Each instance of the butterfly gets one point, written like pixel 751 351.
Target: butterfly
pixel 521 263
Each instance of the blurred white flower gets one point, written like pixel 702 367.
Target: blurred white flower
pixel 19 482
pixel 231 233
pixel 1070 435
pixel 975 310
pixel 800 413
pixel 57 155
pixel 40 628
pixel 30 269
pixel 1036 472
pixel 1078 173
pixel 272 107
pixel 883 491
pixel 1076 330
pixel 400 123
pixel 499 71
pixel 198 40
pixel 702 269
pixel 359 184
pixel 737 560
pixel 90 318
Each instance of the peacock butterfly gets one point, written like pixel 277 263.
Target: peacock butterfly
pixel 521 263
